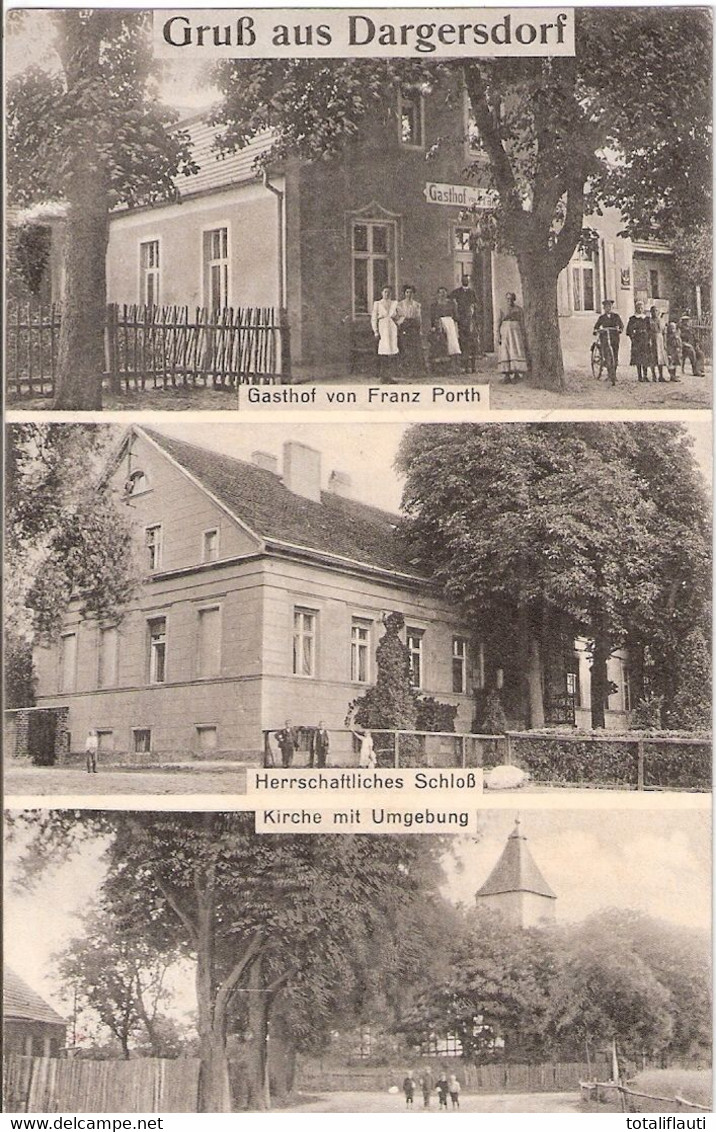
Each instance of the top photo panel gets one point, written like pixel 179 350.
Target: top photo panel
pixel 203 201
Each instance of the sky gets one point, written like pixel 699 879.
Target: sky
pixel 366 451
pixel 657 860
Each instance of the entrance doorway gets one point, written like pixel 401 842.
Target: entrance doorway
pixel 478 268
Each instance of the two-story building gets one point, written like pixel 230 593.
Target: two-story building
pixel 264 600
pixel 320 239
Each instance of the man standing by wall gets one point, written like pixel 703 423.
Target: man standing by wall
pixel 466 301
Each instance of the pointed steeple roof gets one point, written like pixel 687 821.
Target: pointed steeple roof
pixel 516 870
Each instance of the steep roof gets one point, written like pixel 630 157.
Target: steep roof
pixel 21 1001
pixel 336 526
pixel 516 870
pixel 217 171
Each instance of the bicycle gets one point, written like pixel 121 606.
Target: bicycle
pixel 602 357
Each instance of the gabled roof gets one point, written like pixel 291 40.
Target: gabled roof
pixel 516 870
pixel 339 527
pixel 21 1001
pixel 217 171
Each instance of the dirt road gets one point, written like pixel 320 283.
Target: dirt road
pixel 45 781
pixel 482 1102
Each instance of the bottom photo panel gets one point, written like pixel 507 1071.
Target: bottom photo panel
pixel 550 961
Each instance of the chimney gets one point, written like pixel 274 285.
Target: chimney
pixel 266 461
pixel 340 483
pixel 302 470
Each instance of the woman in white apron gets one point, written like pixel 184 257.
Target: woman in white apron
pixel 384 324
pixel 513 352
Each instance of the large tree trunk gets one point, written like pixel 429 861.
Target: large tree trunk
pixel 259 1097
pixel 214 1088
pixel 80 361
pixel 534 681
pixel 539 295
pixel 599 683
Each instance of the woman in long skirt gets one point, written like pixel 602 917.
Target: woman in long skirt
pixel 657 345
pixel 513 352
pixel 385 329
pixel 444 342
pixel 637 331
pixel 410 346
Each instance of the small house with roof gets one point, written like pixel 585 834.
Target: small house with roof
pixel 30 1025
pixel 516 888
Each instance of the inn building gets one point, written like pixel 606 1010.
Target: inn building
pixel 320 239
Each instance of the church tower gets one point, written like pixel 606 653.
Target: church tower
pixel 516 888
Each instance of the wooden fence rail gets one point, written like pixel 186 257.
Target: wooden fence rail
pixel 632 1101
pixel 156 347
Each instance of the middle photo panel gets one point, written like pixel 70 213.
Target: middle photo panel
pixel 501 607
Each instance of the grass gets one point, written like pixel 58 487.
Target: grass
pixel 692 1084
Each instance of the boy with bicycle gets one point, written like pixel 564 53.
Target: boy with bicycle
pixel 610 328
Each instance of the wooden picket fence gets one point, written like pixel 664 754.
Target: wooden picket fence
pixel 51 1084
pixel 154 347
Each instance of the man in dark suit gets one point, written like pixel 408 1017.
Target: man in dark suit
pixel 465 300
pixel 287 740
pixel 320 745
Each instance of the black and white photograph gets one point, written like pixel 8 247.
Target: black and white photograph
pixel 527 599
pixel 554 963
pixel 357 605
pixel 179 226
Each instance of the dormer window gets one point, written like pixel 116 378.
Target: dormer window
pixel 411 118
pixel 136 483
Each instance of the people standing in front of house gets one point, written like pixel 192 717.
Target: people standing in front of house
pixel 385 329
pixel 609 327
pixel 674 355
pixel 444 341
pixel 691 351
pixel 637 331
pixel 454 1090
pixel 320 744
pixel 657 348
pixel 287 740
pixel 465 300
pixel 410 322
pixel 91 748
pixel 512 346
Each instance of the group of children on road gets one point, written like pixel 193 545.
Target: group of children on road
pixel 444 1087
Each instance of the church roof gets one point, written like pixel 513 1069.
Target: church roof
pixel 21 1001
pixel 516 870
pixel 334 527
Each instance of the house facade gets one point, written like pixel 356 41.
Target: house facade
pixel 263 600
pixel 321 239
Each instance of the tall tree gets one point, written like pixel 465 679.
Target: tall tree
pixel 617 124
pixel 254 913
pixel 539 530
pixel 495 994
pixel 93 134
pixel 64 537
pixel 122 979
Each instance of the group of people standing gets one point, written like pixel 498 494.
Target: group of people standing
pixel 444 1087
pixel 315 740
pixel 657 345
pixel 453 334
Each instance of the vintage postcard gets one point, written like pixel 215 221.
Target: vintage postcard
pixel 358 553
